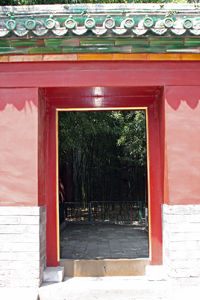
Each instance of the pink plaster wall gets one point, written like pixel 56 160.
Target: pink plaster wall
pixel 18 146
pixel 41 148
pixel 182 117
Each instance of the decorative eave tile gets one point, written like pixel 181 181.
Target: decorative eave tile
pixel 100 19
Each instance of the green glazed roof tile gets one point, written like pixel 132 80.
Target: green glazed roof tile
pixel 131 41
pixel 26 43
pixel 67 42
pixel 166 41
pixel 4 43
pixel 11 50
pixel 80 50
pixel 116 19
pixel 192 42
pixel 107 28
pixel 148 49
pixel 45 50
pixel 173 49
pixel 123 49
pixel 97 42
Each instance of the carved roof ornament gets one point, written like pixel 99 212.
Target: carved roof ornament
pixel 100 19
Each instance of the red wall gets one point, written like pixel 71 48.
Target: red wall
pixel 18 146
pixel 174 130
pixel 162 146
pixel 41 148
pixel 182 117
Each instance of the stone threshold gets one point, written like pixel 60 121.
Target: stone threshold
pixel 104 267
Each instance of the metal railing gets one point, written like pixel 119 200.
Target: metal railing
pixel 105 211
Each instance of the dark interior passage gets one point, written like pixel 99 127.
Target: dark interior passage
pixel 102 158
pixel 103 181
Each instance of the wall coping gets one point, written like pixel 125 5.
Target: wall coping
pixel 100 28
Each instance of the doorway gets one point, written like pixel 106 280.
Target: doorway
pixel 100 99
pixel 103 199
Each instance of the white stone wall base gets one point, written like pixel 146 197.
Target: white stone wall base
pixel 156 273
pixel 22 246
pixel 181 244
pixel 19 293
pixel 53 274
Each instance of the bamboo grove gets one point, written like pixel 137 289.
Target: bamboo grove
pixel 102 156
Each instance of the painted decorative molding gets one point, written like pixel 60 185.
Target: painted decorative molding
pixel 101 19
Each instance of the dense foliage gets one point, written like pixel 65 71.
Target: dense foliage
pixel 126 129
pixel 33 2
pixel 103 155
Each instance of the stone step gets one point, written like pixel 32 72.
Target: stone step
pixel 115 288
pixel 105 267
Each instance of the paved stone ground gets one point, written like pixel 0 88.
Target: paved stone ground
pixel 103 241
pixel 115 288
pixel 104 288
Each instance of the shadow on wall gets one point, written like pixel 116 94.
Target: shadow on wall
pixel 189 94
pixel 174 96
pixel 20 98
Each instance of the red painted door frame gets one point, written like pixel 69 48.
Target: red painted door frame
pixel 115 97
